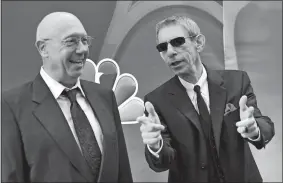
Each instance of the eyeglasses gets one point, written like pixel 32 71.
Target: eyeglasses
pixel 74 41
pixel 176 42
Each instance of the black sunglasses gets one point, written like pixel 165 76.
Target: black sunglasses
pixel 176 42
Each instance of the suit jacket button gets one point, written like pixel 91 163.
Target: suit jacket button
pixel 203 166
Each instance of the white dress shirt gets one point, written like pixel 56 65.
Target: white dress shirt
pixel 56 89
pixel 202 82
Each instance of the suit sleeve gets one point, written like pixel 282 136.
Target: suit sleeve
pixel 167 156
pixel 264 123
pixel 125 174
pixel 14 166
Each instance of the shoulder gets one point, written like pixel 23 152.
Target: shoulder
pixel 98 88
pixel 234 80
pixel 231 73
pixel 16 94
pixel 231 76
pixel 162 88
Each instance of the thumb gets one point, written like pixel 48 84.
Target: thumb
pixel 151 112
pixel 242 103
pixel 251 111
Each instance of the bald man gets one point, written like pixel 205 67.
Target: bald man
pixel 58 128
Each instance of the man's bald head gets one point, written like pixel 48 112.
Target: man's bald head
pixel 57 39
pixel 54 23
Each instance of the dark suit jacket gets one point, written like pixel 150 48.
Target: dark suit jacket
pixel 38 145
pixel 184 149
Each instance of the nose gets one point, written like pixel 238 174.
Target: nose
pixel 171 51
pixel 82 48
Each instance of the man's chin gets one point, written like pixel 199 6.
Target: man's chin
pixel 75 74
pixel 180 71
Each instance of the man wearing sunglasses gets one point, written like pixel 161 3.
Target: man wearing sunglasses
pixel 58 128
pixel 198 124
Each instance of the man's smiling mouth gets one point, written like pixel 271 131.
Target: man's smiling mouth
pixel 79 62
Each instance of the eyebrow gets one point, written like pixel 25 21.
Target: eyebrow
pixel 74 35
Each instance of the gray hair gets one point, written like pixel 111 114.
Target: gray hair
pixel 190 25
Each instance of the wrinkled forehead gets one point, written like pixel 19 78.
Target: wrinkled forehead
pixel 168 32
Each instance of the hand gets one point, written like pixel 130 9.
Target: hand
pixel 151 127
pixel 247 127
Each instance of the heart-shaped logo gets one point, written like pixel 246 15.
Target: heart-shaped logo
pixel 125 87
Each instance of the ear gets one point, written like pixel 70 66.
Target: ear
pixel 200 42
pixel 41 47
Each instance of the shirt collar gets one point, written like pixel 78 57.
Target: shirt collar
pixel 55 87
pixel 200 82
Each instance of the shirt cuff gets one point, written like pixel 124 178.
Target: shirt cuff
pixel 156 154
pixel 258 138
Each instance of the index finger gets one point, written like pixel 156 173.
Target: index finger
pixel 242 102
pixel 151 113
pixel 150 109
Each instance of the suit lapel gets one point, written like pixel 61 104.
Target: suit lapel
pixel 217 97
pixel 49 114
pixel 179 98
pixel 109 162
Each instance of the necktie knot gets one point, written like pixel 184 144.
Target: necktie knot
pixel 71 94
pixel 197 89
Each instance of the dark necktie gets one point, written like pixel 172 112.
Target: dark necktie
pixel 85 134
pixel 205 120
pixel 203 112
